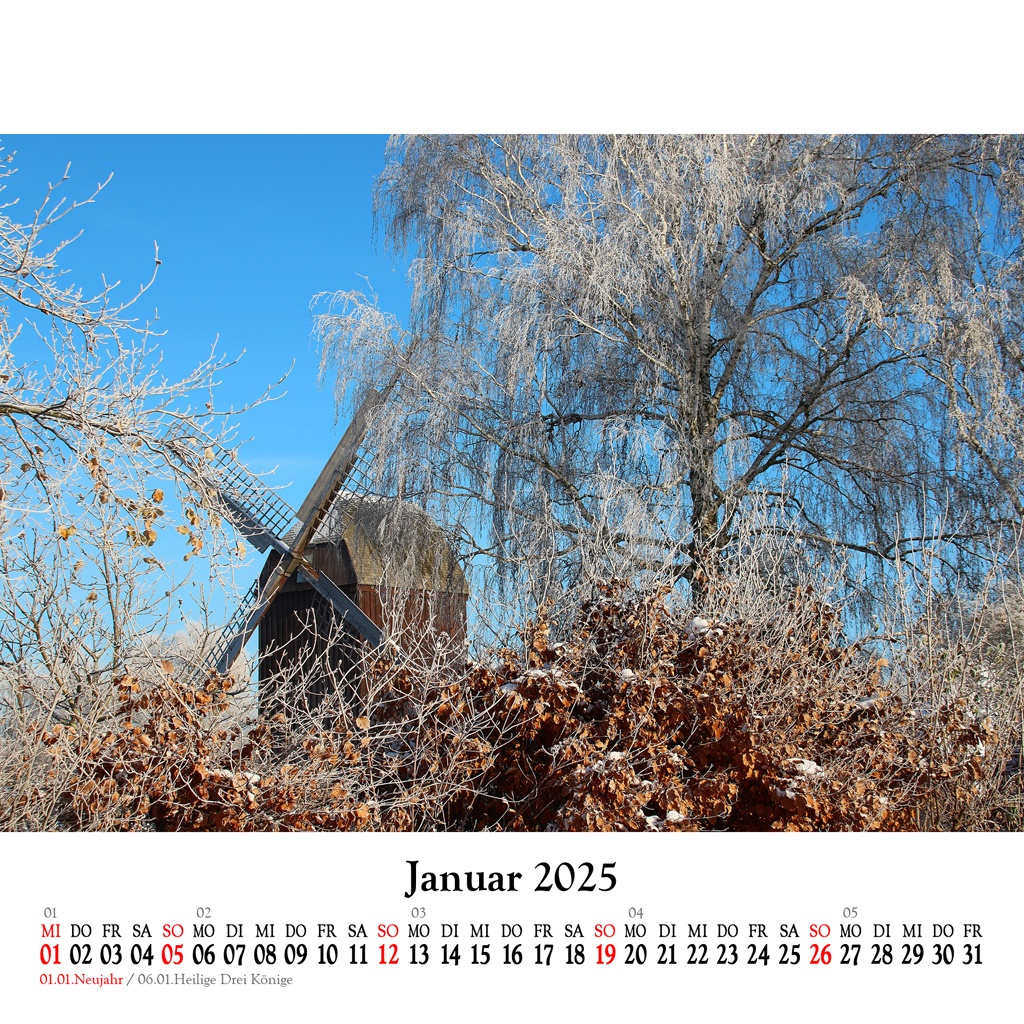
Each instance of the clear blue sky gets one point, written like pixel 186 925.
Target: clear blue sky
pixel 249 229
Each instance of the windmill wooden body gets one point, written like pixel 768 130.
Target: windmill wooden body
pixel 396 565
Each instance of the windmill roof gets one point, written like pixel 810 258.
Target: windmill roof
pixel 391 543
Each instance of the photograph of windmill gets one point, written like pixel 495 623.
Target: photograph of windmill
pixel 643 483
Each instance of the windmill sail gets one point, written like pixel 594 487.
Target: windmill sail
pixel 266 520
pixel 235 634
pixel 259 514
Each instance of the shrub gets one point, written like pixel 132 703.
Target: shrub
pixel 640 719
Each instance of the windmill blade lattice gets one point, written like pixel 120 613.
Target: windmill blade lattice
pixel 261 515
pixel 226 649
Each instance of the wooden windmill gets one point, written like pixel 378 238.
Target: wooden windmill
pixel 297 540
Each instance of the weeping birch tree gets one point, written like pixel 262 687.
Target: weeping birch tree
pixel 619 346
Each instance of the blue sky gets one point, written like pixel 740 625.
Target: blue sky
pixel 249 229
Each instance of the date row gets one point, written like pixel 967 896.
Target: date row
pixel 544 954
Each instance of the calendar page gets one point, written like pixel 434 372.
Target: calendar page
pixel 195 927
pixel 526 574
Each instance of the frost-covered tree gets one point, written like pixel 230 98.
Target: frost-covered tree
pixel 617 345
pixel 88 479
